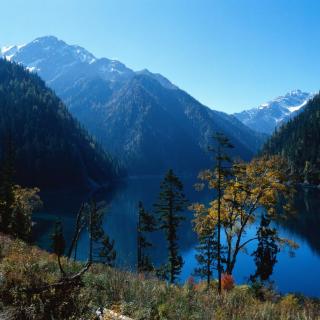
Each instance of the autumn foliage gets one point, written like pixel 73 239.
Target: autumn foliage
pixel 227 282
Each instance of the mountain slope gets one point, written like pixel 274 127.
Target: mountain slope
pixel 141 117
pixel 272 114
pixel 299 141
pixel 51 149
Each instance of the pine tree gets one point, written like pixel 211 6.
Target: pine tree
pixel 207 254
pixel 222 171
pixel 107 252
pixel 146 223
pixel 101 246
pixel 170 204
pixel 265 256
pixel 58 243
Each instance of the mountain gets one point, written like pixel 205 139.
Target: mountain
pixel 141 117
pixel 50 147
pixel 272 114
pixel 299 140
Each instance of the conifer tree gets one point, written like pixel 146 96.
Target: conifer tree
pixel 171 203
pixel 107 252
pixel 101 246
pixel 222 171
pixel 146 223
pixel 58 243
pixel 206 253
pixel 265 256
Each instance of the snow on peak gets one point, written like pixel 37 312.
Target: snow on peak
pixel 8 52
pixel 290 102
pixel 296 108
pixel 4 50
pixel 273 113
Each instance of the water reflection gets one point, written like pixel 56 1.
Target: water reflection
pixel 305 223
pixel 120 224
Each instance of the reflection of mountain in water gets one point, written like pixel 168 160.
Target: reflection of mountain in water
pixel 306 222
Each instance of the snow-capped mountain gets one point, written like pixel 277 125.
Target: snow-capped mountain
pixel 61 64
pixel 266 117
pixel 143 119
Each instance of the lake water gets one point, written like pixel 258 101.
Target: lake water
pixel 291 274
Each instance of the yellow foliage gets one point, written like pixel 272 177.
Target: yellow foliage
pixel 257 185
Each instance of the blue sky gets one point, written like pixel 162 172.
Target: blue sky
pixel 229 54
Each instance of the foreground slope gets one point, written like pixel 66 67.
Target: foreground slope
pixel 24 268
pixel 50 148
pixel 141 117
pixel 299 142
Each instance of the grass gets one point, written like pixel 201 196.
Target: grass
pixel 23 267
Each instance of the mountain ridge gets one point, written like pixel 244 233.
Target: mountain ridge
pixel 51 149
pixel 140 117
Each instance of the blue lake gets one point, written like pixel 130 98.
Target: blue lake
pixel 291 274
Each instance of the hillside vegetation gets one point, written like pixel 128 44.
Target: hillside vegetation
pixel 143 119
pixel 49 147
pixel 24 268
pixel 299 142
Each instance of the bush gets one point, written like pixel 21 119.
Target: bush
pixel 227 282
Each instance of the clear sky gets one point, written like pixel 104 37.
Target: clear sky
pixel 229 54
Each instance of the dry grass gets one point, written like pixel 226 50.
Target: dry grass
pixel 134 296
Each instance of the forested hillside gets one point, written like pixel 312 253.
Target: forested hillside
pixel 48 147
pixel 144 120
pixel 299 142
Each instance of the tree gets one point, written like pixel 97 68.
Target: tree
pixel 207 248
pixel 146 223
pixel 258 185
pixel 58 243
pixel 95 215
pixel 221 158
pixel 252 187
pixel 80 224
pixel 216 179
pixel 170 204
pixel 91 216
pixel 107 252
pixel 16 203
pixel 26 201
pixel 265 256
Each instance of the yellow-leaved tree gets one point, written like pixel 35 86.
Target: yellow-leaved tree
pixel 255 189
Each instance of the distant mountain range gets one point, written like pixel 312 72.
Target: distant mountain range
pixel 140 117
pixel 48 146
pixel 268 116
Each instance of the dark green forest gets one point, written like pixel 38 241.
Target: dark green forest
pixel 49 148
pixel 299 142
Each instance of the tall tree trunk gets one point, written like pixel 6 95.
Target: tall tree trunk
pixel 219 222
pixel 208 263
